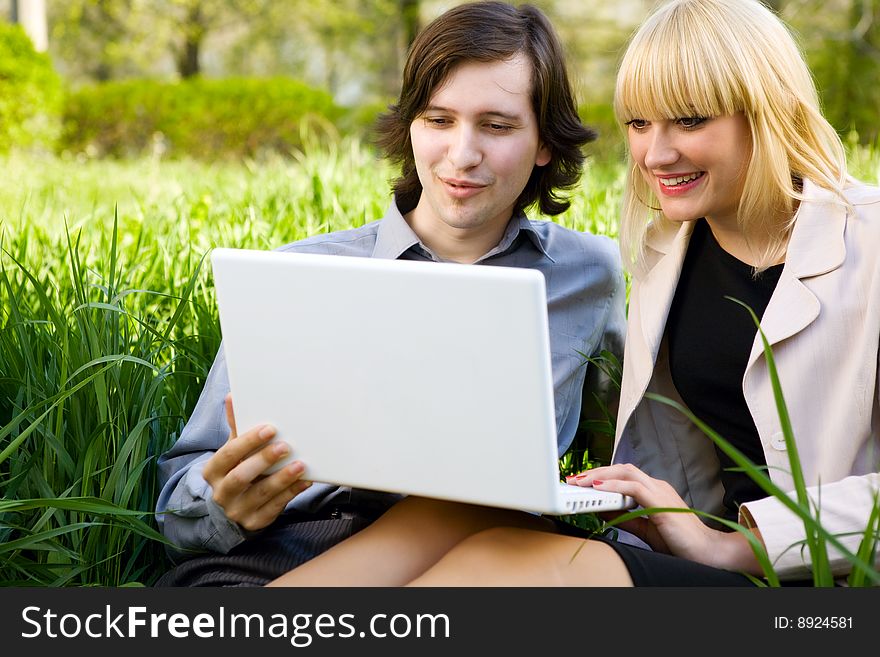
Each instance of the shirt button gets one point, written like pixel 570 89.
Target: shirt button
pixel 777 441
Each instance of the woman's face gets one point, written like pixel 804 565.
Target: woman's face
pixel 695 165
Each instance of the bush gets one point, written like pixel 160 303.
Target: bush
pixel 30 93
pixel 206 119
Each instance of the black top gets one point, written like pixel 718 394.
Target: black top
pixel 709 340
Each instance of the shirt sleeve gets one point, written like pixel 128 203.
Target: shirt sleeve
pixel 187 514
pixel 601 392
pixel 615 325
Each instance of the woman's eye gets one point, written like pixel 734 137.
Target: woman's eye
pixel 438 121
pixel 499 127
pixel 690 121
pixel 637 124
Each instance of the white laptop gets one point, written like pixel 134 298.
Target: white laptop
pixel 420 378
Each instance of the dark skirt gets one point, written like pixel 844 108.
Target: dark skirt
pixel 648 568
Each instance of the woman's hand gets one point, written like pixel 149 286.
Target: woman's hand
pixel 679 533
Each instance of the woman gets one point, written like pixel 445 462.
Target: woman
pixel 737 189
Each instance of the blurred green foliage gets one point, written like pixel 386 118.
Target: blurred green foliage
pixel 841 40
pixel 30 93
pixel 200 118
pixel 355 49
pixel 610 143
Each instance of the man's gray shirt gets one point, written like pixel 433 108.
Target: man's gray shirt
pixel 586 308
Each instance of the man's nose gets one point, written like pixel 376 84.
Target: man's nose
pixel 464 150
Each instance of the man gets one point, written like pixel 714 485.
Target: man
pixel 485 126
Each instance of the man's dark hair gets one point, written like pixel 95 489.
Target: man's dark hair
pixel 492 32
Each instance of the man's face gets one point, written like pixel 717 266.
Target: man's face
pixel 475 146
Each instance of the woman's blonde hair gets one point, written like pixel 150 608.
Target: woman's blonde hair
pixel 719 57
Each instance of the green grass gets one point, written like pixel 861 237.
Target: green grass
pixel 108 327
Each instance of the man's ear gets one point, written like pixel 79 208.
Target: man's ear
pixel 544 156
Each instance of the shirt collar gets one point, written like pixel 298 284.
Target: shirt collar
pixel 519 223
pixel 395 236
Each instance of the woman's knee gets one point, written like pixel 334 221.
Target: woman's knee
pixel 499 547
pixel 500 539
pixel 515 556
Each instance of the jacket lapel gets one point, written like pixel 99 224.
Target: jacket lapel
pixel 657 288
pixel 816 247
pixel 656 278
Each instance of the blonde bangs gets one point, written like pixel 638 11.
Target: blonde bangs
pixel 672 69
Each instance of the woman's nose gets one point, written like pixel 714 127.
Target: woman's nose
pixel 662 150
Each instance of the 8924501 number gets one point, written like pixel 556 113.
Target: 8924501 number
pixel 824 622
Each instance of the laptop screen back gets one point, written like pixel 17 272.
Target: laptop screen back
pixel 412 377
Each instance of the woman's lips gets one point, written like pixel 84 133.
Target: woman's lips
pixel 672 185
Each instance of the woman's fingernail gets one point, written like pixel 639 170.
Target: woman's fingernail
pixel 280 449
pixel 266 432
pixel 597 482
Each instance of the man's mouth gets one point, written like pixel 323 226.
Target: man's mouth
pixel 461 189
pixel 455 182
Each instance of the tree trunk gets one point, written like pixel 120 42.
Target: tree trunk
pixel 410 15
pixel 864 69
pixel 407 30
pixel 188 62
pixel 194 29
pixel 31 15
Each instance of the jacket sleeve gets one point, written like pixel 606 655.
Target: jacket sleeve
pixel 843 508
pixel 601 391
pixel 187 514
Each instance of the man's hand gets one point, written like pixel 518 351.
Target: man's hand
pixel 235 474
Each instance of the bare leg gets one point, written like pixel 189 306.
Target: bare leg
pixel 411 537
pixel 518 557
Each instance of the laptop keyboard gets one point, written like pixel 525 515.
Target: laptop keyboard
pixel 578 498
